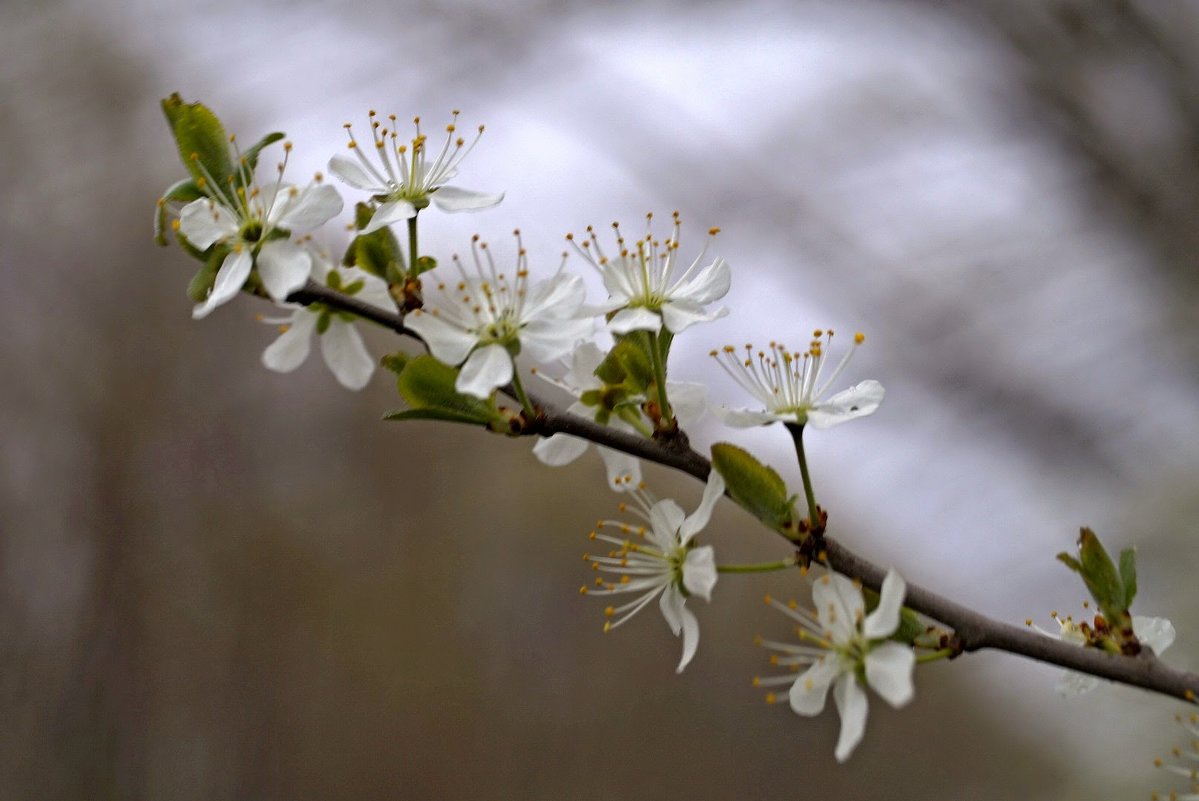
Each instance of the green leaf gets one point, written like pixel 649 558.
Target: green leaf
pixel 756 487
pixel 426 383
pixel 1099 573
pixel 183 191
pixel 202 141
pixel 250 157
pixel 1128 575
pixel 446 415
pixel 378 253
pixel 423 265
pixel 396 362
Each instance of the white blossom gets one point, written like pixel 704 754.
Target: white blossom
pixel 256 224
pixel 647 290
pixel 486 319
pixel 1155 632
pixel 791 386
pixel 844 648
pixel 406 178
pixel 341 344
pixel 657 558
pixel 624 471
pixel 1184 761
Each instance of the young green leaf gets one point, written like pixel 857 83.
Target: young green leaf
pixel 1128 575
pixel 756 487
pixel 428 385
pixel 202 141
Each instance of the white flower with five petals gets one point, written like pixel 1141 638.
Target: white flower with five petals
pixel 256 225
pixel 486 319
pixel 791 388
pixel 660 561
pixel 580 380
pixel 341 344
pixel 845 648
pixel 647 290
pixel 1155 632
pixel 406 179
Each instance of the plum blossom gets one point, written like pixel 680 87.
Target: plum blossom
pixel 658 560
pixel 1184 761
pixel 256 224
pixel 594 401
pixel 406 179
pixel 1155 632
pixel 791 388
pixel 486 319
pixel 341 344
pixel 844 649
pixel 646 287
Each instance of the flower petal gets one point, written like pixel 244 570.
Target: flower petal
pixel 559 449
pixel 374 289
pixel 235 269
pixel 810 690
pixel 710 284
pixel 713 489
pixel 1155 632
pixel 690 637
pixel 390 212
pixel 665 518
pixel 451 199
pixel 699 572
pixel 291 348
pixel 748 418
pixel 839 604
pixel 634 319
pixel 487 368
pixel 205 223
pixel 679 315
pixel 857 401
pixel 350 171
pixel 584 361
pixel 889 671
pixel 852 705
pixel 346 355
pixel 884 620
pixel 283 267
pixel 671 603
pixel 552 338
pixel 307 208
pixel 449 343
pixel 1072 683
pixel 624 471
pixel 559 296
pixel 688 401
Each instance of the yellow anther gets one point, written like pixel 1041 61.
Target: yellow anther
pixel 859 338
pixel 609 611
pixel 757 681
pixel 771 698
pixel 607 627
pixel 583 590
pixel 768 599
pixel 624 579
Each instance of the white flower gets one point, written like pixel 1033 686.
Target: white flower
pixel 485 320
pixel 256 224
pixel 1188 755
pixel 1155 632
pixel 341 344
pixel 405 180
pixel 790 386
pixel 847 648
pixel 624 471
pixel 646 290
pixel 659 561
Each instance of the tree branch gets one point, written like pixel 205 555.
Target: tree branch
pixel 974 631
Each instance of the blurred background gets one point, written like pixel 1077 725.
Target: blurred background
pixel 223 583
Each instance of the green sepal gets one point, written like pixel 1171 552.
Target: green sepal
pixel 756 487
pixel 198 131
pixel 1128 575
pixel 183 191
pixel 428 385
pixel 1100 575
pixel 250 156
pixel 423 265
pixel 201 283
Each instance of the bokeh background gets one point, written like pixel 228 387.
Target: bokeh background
pixel 223 583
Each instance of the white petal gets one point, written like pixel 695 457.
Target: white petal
pixel 291 348
pixel 687 401
pixel 810 690
pixel 839 604
pixel 307 209
pixel 884 620
pixel 391 212
pixel 621 467
pixel 699 572
pixel 374 289
pixel 283 267
pixel 451 199
pixel 748 418
pixel 551 338
pixel 889 671
pixel 1156 632
pixel 348 170
pixel 346 355
pixel 235 269
pixel 449 343
pixel 710 284
pixel 690 638
pixel 851 703
pixel 1073 683
pixel 584 361
pixel 679 315
pixel 487 368
pixel 622 279
pixel 665 518
pixel 559 296
pixel 205 223
pixel 638 318
pixel 671 603
pixel 713 489
pixel 559 449
pixel 857 401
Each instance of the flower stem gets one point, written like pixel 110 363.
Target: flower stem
pixel 659 364
pixel 413 255
pixel 634 419
pixel 943 653
pixel 796 431
pixel 761 567
pixel 522 396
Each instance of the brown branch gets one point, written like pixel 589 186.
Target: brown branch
pixel 974 631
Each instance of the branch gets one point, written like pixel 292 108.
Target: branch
pixel 974 631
